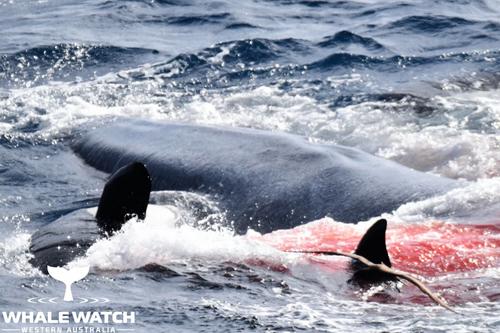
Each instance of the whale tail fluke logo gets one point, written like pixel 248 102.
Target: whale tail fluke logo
pixel 68 276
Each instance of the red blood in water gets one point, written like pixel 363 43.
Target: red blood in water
pixel 431 248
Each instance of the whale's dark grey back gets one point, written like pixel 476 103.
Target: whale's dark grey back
pixel 61 241
pixel 265 180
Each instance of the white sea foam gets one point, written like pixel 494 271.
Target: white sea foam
pixel 15 256
pixel 160 240
pixel 14 246
pixel 480 200
pixel 59 108
pixel 459 140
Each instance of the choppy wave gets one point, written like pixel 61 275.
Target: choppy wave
pixel 454 136
pixel 14 255
pixel 430 24
pixel 352 43
pixel 66 62
pixel 476 203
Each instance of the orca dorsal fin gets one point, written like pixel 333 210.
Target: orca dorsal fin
pixel 126 193
pixel 372 245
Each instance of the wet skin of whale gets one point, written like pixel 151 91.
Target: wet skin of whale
pixel 264 180
pixel 126 194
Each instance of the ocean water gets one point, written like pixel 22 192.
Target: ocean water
pixel 417 82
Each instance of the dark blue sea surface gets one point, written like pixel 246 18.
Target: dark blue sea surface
pixel 416 82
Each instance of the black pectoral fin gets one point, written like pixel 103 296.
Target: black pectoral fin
pixel 126 193
pixel 372 245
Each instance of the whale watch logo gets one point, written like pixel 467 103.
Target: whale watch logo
pixel 89 320
pixel 68 277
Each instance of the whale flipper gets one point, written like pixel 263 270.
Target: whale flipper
pixel 126 193
pixel 373 247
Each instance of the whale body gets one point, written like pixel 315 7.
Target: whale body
pixel 126 194
pixel 264 180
